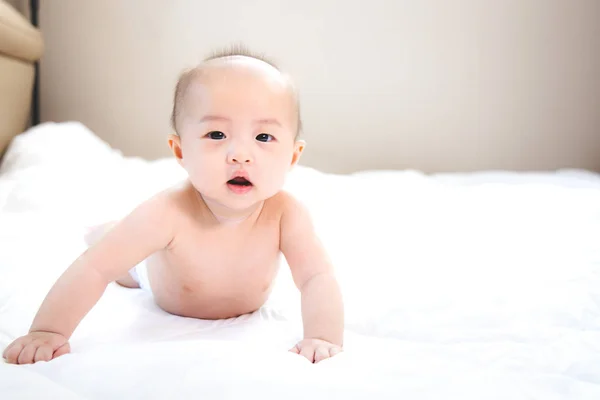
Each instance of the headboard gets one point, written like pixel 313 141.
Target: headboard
pixel 384 84
pixel 20 46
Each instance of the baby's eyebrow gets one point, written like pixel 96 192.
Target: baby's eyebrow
pixel 207 118
pixel 266 121
pixel 262 121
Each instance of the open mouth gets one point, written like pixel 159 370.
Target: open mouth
pixel 239 181
pixel 240 185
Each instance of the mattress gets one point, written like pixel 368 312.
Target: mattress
pixel 456 286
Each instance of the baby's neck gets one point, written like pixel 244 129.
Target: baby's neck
pixel 230 220
pixel 225 215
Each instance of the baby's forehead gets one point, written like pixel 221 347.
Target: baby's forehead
pixel 240 79
pixel 242 71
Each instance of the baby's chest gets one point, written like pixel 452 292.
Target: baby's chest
pixel 218 255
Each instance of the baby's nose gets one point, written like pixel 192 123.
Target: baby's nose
pixel 239 157
pixel 241 160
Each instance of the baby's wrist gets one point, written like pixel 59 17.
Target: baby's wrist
pixel 329 340
pixel 49 331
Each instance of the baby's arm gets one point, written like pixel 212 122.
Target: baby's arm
pixel 143 232
pixel 322 307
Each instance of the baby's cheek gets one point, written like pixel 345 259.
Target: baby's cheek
pixel 199 174
pixel 276 177
pixel 196 162
pixel 203 178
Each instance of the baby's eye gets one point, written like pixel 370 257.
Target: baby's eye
pixel 216 135
pixel 264 137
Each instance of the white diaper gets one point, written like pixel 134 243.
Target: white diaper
pixel 139 273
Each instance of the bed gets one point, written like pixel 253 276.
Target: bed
pixel 457 286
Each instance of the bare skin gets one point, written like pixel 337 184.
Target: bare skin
pixel 202 272
pixel 211 246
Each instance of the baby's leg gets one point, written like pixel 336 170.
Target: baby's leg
pixel 92 237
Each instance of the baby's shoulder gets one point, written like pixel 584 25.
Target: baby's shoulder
pixel 283 201
pixel 172 200
pixel 289 207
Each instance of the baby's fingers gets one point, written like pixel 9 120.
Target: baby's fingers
pixel 321 353
pixel 11 353
pixel 308 352
pixel 62 350
pixel 43 353
pixel 27 354
pixel 335 350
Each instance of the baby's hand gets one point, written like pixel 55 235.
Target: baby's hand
pixel 36 346
pixel 316 350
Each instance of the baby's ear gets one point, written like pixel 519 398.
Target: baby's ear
pixel 175 146
pixel 298 149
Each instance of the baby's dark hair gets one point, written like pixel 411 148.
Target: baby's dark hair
pixel 189 75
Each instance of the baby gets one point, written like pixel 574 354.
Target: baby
pixel 208 247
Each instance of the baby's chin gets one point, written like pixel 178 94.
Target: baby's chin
pixel 235 201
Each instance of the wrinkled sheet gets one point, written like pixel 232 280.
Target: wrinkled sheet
pixel 456 286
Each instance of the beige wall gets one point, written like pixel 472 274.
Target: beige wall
pixel 428 84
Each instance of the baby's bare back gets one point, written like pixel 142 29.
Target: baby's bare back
pixel 216 270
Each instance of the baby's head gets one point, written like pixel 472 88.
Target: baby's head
pixel 236 114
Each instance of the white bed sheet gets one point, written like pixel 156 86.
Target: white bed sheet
pixel 456 286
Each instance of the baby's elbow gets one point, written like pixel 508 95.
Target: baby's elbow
pixel 89 270
pixel 322 278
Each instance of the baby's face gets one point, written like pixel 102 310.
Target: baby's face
pixel 238 135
